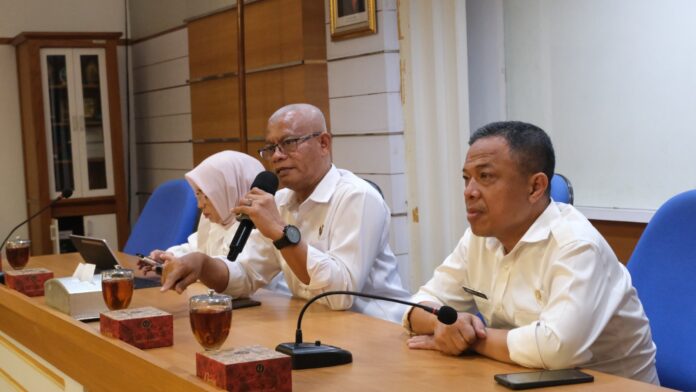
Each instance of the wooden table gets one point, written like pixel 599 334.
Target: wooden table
pixel 381 359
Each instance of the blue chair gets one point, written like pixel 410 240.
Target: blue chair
pixel 663 269
pixel 169 217
pixel 374 185
pixel 561 189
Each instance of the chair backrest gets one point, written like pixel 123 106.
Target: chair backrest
pixel 561 189
pixel 663 269
pixel 168 218
pixel 374 185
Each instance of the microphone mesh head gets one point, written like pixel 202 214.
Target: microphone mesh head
pixel 266 181
pixel 447 315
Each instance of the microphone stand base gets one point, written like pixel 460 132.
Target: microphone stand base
pixel 314 355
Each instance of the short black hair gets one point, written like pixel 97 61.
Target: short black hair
pixel 529 145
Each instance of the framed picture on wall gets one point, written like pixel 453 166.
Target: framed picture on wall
pixel 352 18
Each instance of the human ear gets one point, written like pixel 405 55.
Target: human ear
pixel 538 183
pixel 325 141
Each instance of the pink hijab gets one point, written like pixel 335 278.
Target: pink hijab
pixel 225 178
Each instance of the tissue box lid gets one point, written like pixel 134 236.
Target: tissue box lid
pixel 245 354
pixel 28 271
pixel 135 313
pixel 253 368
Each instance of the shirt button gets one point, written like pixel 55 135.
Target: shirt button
pixel 537 294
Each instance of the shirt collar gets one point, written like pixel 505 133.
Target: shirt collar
pixel 322 192
pixel 538 231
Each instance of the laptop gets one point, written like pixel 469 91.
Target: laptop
pixel 96 251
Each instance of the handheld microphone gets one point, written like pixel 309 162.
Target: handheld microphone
pixel 267 182
pixel 64 194
pixel 316 355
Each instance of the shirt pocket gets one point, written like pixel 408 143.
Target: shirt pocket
pixel 317 237
pixel 528 305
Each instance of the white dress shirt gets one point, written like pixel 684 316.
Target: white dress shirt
pixel 211 238
pixel 561 292
pixel 345 223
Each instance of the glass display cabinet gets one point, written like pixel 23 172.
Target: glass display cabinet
pixel 72 137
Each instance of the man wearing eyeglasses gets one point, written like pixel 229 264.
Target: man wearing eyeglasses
pixel 327 230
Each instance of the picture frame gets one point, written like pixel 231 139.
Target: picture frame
pixel 352 18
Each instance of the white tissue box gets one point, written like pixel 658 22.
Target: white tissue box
pixel 80 299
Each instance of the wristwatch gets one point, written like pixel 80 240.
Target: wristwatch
pixel 291 236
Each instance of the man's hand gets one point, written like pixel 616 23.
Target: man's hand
pixel 155 256
pixel 452 339
pixel 179 272
pixel 261 208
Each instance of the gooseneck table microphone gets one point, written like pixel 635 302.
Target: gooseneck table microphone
pixel 64 194
pixel 316 355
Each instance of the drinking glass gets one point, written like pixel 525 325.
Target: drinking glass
pixel 17 252
pixel 211 317
pixel 117 288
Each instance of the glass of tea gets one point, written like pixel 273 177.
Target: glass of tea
pixel 211 317
pixel 17 252
pixel 117 288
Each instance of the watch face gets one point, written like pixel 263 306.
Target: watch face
pixel 293 234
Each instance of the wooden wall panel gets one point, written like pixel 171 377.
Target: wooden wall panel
pixel 285 61
pixel 213 45
pixel 204 150
pixel 316 83
pixel 215 109
pixel 313 33
pixel 254 147
pixel 267 92
pixel 621 236
pixel 273 32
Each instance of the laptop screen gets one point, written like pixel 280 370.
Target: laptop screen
pixel 96 251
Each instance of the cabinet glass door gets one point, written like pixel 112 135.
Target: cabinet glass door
pixel 56 66
pixel 77 121
pixel 96 143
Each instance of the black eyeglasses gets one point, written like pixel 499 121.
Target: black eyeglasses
pixel 286 146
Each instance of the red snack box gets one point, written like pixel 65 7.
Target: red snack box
pixel 28 281
pixel 145 327
pixel 253 368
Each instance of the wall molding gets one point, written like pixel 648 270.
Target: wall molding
pixel 132 42
pixel 616 214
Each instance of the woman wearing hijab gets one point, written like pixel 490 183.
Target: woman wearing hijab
pixel 219 182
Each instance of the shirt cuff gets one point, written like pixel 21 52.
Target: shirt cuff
pixel 236 274
pixel 319 271
pixel 417 298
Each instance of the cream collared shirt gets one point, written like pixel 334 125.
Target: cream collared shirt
pixel 561 292
pixel 345 223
